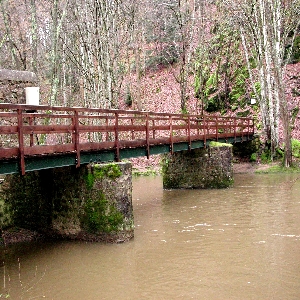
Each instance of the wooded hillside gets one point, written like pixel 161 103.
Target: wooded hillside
pixel 163 55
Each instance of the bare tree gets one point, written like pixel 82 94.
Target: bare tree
pixel 265 26
pixel 137 13
pixel 58 14
pixel 14 29
pixel 97 46
pixel 187 15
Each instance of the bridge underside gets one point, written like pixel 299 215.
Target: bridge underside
pixel 69 159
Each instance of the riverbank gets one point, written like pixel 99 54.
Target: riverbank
pixel 247 167
pixel 258 168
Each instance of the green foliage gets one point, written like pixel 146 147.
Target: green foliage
pixel 253 157
pixel 226 86
pixel 111 171
pixel 296 148
pixel 212 105
pixel 238 90
pixel 234 107
pixel 89 180
pixel 100 216
pixel 216 98
pixel 278 169
pixel 257 87
pixel 266 157
pixel 279 152
pixel 147 172
pixel 218 144
pixel 236 93
pixel 184 111
pixel 258 126
pixel 245 113
pixel 211 82
pixel 295 54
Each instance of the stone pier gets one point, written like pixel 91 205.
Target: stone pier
pixel 199 168
pixel 91 203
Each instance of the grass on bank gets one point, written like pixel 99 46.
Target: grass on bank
pixel 265 158
pixel 279 169
pixel 145 172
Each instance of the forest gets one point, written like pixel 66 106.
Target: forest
pixel 227 57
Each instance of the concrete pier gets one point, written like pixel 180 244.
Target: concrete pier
pixel 92 203
pixel 199 168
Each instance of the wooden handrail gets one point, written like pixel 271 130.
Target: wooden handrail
pixel 27 130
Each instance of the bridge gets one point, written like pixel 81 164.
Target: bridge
pixel 41 137
pixel 94 201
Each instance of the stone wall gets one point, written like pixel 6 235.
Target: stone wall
pixel 91 203
pixel 199 168
pixel 13 83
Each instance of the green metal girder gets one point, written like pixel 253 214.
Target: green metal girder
pixel 88 157
pixel 197 144
pixel 159 149
pixel 48 162
pixel 9 167
pixel 55 161
pixel 132 152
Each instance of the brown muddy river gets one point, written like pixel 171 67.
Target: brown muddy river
pixel 238 243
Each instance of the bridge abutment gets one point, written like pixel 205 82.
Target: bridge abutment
pixel 199 168
pixel 92 203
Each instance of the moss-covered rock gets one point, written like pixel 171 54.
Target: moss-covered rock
pixel 199 168
pixel 91 203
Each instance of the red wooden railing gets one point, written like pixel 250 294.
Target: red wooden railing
pixel 42 130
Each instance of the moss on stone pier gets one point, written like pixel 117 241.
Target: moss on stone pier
pixel 89 203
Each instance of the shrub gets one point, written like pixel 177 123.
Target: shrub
pixel 265 157
pixel 296 148
pixel 253 157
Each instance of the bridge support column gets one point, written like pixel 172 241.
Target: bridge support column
pixel 92 203
pixel 199 168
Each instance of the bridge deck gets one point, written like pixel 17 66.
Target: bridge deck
pixel 39 137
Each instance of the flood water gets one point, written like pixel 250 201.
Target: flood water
pixel 236 243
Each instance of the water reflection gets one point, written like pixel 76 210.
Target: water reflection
pixel 237 243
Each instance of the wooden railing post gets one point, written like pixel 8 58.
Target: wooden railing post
pixel 76 138
pixel 153 131
pixel 30 122
pixel 107 134
pixel 189 133
pixel 171 134
pixel 217 129
pixel 132 131
pixel 117 144
pixel 147 135
pixel 248 128
pixel 234 124
pixel 204 127
pixel 21 140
